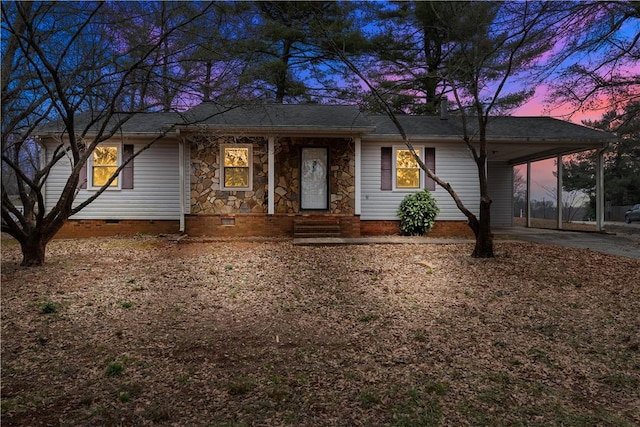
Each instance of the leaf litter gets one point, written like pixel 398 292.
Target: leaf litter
pixel 267 333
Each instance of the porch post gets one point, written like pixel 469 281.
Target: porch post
pixel 600 190
pixel 559 192
pixel 528 194
pixel 358 152
pixel 271 175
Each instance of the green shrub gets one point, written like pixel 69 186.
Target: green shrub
pixel 417 213
pixel 48 307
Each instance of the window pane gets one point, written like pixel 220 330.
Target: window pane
pixel 105 156
pixel 236 177
pixel 408 178
pixel 105 163
pixel 404 159
pixel 101 175
pixel 236 157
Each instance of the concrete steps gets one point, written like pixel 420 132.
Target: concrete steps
pixel 316 227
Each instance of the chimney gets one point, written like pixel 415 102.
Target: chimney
pixel 444 109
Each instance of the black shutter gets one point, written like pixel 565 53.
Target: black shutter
pixel 127 171
pixel 430 161
pixel 386 168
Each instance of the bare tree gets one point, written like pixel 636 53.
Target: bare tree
pixel 597 58
pixel 56 65
pixel 489 45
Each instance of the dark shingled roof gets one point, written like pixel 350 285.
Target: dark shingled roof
pixel 140 123
pixel 532 128
pixel 344 118
pixel 281 116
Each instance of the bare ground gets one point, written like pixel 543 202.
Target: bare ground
pixel 125 331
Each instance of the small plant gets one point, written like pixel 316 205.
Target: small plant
pixel 369 399
pixel 157 414
pixel 228 267
pixel 124 397
pixel 240 386
pixel 417 213
pixel 48 307
pixel 126 304
pixel 114 369
pixel 369 317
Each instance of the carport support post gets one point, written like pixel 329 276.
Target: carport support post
pixel 559 192
pixel 528 194
pixel 600 189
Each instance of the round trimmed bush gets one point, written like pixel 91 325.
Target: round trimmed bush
pixel 417 213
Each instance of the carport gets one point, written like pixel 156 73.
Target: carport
pixel 548 138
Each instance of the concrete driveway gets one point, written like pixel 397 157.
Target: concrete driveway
pixel 620 239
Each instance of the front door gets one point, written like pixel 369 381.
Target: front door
pixel 314 184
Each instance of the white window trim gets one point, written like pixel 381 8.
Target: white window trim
pixel 90 185
pixel 394 165
pixel 222 186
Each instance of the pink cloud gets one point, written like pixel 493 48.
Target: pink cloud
pixel 537 106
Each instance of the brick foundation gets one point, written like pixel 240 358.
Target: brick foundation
pixel 257 225
pixel 82 228
pixel 440 229
pixel 244 225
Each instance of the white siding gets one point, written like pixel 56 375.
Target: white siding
pixel 500 181
pixel 156 192
pixel 453 165
pixel 187 179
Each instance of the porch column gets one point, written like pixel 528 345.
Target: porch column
pixel 528 194
pixel 358 159
pixel 559 192
pixel 271 175
pixel 600 189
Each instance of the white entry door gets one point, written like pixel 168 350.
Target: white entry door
pixel 313 178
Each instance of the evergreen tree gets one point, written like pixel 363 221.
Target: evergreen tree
pixel 621 161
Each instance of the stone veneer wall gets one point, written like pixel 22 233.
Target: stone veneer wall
pixel 208 199
pixel 206 196
pixel 342 181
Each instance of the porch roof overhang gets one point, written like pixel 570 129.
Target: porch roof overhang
pixel 277 131
pixel 278 120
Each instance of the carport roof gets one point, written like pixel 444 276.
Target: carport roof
pixel 511 139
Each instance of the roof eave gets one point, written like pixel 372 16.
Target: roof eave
pixel 278 130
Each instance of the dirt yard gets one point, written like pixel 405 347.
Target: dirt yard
pixel 142 331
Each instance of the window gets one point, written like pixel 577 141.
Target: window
pixel 104 163
pixel 236 167
pixel 400 171
pixel 407 170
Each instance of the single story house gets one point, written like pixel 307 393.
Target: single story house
pixel 296 170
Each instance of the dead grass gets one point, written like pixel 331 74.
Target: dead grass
pixel 141 332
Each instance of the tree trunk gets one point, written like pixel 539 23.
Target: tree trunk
pixel 33 251
pixel 484 237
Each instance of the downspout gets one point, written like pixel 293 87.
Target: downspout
pixel 182 181
pixel 43 161
pixel 358 155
